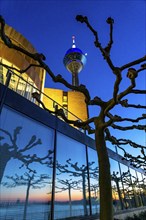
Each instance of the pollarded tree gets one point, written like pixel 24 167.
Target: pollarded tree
pixel 67 184
pixel 30 180
pixel 104 118
pixel 78 171
pixel 9 148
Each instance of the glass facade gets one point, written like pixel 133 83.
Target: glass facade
pixel 26 167
pixel 71 191
pixel 49 170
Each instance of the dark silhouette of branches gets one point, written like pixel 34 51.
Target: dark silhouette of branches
pixel 67 184
pixel 104 119
pixel 119 179
pixel 30 180
pixel 75 170
pixel 136 161
pixel 10 149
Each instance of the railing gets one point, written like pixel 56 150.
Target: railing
pixel 25 88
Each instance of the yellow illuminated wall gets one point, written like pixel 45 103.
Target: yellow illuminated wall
pixel 72 101
pixel 77 105
pixel 21 61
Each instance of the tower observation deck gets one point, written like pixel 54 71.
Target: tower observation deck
pixel 74 61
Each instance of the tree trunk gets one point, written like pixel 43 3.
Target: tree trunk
pixel 70 205
pixel 119 194
pixel 26 200
pixel 4 158
pixel 106 206
pixel 84 195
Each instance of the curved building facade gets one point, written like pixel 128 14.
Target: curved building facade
pixel 35 76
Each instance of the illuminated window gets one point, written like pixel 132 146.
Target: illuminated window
pixel 1 74
pixel 64 97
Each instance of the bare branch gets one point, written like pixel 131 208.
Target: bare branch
pixel 138 127
pixel 117 118
pixel 136 91
pixel 33 142
pixel 22 70
pixel 97 43
pixel 97 101
pixel 121 141
pixel 59 112
pixel 124 103
pixel 135 62
pixel 117 72
pixel 110 21
pixel 7 133
pixel 111 103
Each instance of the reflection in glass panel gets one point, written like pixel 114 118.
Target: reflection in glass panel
pixel 141 187
pixel 136 189
pixel 71 178
pixel 117 187
pixel 119 151
pixel 26 167
pixel 128 187
pixel 94 180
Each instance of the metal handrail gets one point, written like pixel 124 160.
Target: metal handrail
pixel 33 88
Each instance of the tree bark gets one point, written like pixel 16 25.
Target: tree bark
pixel 106 206
pixel 4 158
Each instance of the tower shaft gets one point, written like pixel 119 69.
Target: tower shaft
pixel 75 79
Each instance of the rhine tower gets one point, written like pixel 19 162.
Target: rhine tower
pixel 74 61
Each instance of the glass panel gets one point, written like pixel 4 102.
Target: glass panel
pixel 20 83
pixel 26 167
pixel 128 187
pixel 141 187
pixel 71 194
pixel 94 180
pixel 136 189
pixel 117 189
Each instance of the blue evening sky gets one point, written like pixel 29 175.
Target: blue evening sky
pixel 50 24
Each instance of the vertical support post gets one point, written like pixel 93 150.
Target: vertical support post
pixel 140 194
pixel 122 206
pixel 54 176
pixel 132 187
pixel 87 160
pixel 9 74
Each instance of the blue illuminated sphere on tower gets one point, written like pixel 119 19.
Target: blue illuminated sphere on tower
pixel 74 61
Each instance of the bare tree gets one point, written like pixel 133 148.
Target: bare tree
pixel 75 170
pixel 10 149
pixel 119 179
pixel 67 184
pixel 104 119
pixel 31 180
